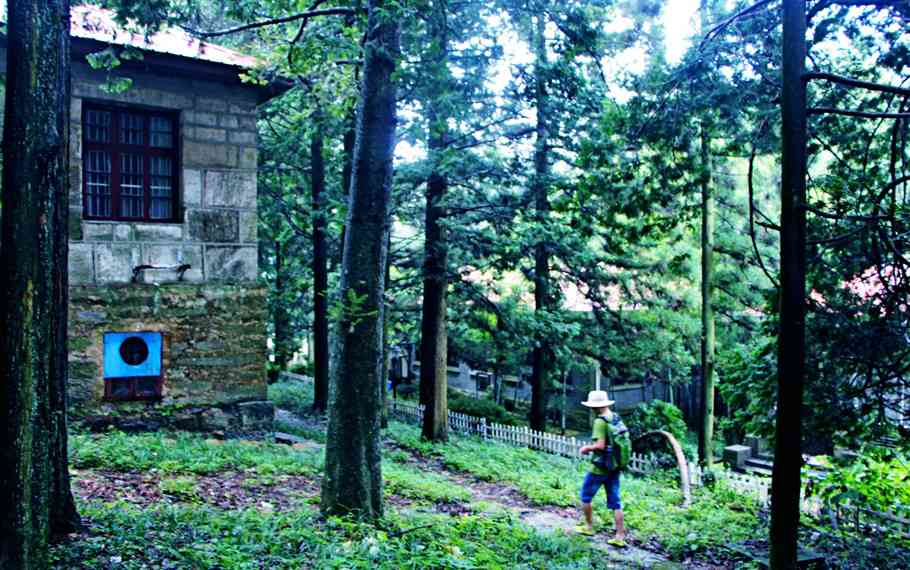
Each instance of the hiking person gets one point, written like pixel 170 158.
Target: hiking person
pixel 605 467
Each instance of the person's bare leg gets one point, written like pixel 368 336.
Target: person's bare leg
pixel 588 511
pixel 620 524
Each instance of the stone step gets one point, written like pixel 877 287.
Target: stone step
pixel 769 457
pixel 287 439
pixel 757 470
pixel 760 463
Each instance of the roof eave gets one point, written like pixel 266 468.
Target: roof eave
pixel 183 66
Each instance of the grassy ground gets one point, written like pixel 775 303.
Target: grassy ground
pixel 175 501
pixel 652 505
pixel 183 501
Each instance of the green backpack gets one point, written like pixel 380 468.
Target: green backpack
pixel 618 453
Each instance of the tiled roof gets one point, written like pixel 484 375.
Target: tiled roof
pixel 95 23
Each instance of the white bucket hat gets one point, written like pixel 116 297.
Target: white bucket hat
pixel 597 399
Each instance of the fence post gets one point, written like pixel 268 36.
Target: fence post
pixel 483 428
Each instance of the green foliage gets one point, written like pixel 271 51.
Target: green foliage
pixel 306 431
pixel 408 481
pixel 878 479
pixel 199 536
pixel 181 488
pixel 652 505
pixel 350 310
pixel 545 479
pixel 482 408
pixel 717 516
pixel 748 386
pixel 185 453
pixel 304 368
pixel 296 397
pixel 195 537
pixel 656 415
pixel 850 552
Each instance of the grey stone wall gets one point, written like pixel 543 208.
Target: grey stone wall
pixel 213 324
pixel 217 187
pixel 213 355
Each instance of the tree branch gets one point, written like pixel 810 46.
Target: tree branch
pixel 823 4
pixel 719 28
pixel 837 217
pixel 274 21
pixel 849 82
pixel 761 262
pixel 849 113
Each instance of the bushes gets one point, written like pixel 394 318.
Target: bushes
pixel 879 479
pixel 294 396
pixel 482 408
pixel 305 368
pixel 656 415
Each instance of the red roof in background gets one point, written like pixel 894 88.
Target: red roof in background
pixel 95 23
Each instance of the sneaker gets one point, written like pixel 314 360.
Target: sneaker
pixel 584 529
pixel 617 542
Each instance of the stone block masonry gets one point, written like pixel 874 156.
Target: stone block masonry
pixel 217 190
pixel 213 320
pixel 214 355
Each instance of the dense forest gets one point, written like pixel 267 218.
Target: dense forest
pixel 712 197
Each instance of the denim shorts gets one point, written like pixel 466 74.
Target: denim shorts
pixel 593 482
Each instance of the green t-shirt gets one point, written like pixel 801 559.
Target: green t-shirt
pixel 600 431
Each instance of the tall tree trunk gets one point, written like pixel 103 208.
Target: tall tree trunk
pixel 35 497
pixel 350 137
pixel 353 478
pixel 542 354
pixel 791 350
pixel 320 276
pixel 706 441
pixel 498 363
pixel 282 319
pixel 433 335
pixel 386 326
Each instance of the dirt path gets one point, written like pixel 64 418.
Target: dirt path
pixel 501 497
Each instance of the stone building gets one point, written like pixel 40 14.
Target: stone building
pixel 167 315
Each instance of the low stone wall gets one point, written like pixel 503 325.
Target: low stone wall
pixel 214 354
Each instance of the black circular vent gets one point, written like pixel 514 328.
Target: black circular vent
pixel 134 351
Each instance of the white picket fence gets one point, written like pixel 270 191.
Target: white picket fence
pixel 520 436
pixel 759 488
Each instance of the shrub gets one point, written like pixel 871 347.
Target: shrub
pixel 879 479
pixel 304 368
pixel 481 408
pixel 294 396
pixel 657 415
pixel 127 537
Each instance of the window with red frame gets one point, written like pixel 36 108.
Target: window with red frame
pixel 129 164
